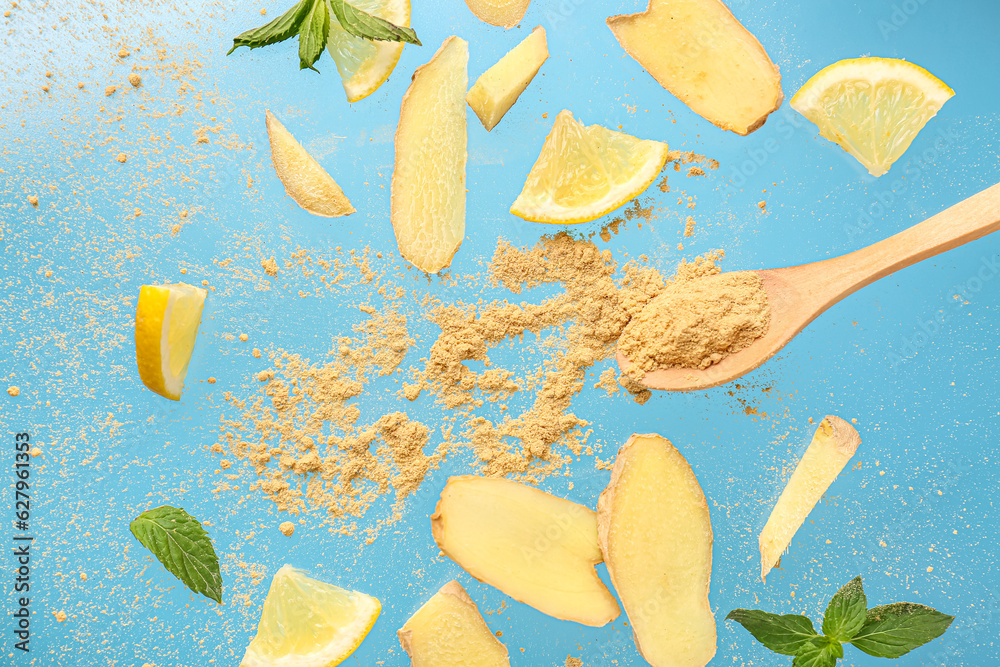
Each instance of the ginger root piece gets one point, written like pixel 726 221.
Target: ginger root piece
pixel 533 546
pixel 495 92
pixel 428 181
pixel 698 51
pixel 656 536
pixel 304 179
pixel 503 13
pixel 448 630
pixel 831 448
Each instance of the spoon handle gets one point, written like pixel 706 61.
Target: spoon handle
pixel 966 221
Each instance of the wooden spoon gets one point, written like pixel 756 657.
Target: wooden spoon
pixel 799 294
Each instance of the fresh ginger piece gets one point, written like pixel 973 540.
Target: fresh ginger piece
pixel 495 92
pixel 448 631
pixel 656 536
pixel 504 13
pixel 533 546
pixel 698 51
pixel 304 179
pixel 831 448
pixel 428 181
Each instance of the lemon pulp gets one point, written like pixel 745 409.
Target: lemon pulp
pixel 583 173
pixel 166 328
pixel 309 623
pixel 873 108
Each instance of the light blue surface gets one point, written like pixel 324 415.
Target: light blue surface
pixel 924 396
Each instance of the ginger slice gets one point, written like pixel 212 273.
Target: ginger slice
pixel 831 448
pixel 495 92
pixel 656 535
pixel 503 13
pixel 304 179
pixel 533 546
pixel 698 51
pixel 428 181
pixel 448 630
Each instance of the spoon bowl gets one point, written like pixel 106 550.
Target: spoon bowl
pixel 799 294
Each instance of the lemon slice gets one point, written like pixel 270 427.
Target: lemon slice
pixel 166 325
pixel 365 64
pixel 307 623
pixel 586 172
pixel 304 179
pixel 873 108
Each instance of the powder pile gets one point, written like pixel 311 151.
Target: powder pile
pixel 697 321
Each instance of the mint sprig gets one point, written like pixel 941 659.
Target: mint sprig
pixel 886 631
pixel 310 20
pixel 183 547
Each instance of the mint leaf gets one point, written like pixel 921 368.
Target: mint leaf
pixel 846 612
pixel 284 27
pixel 819 653
pixel 363 24
pixel 313 35
pixel 786 634
pixel 896 629
pixel 179 542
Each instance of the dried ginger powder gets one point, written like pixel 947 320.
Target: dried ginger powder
pixel 697 322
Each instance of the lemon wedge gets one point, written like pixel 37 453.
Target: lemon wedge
pixel 583 173
pixel 304 179
pixel 308 623
pixel 365 64
pixel 166 325
pixel 873 108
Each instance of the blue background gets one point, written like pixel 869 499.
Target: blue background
pixel 920 495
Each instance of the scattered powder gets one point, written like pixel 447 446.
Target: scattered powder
pixel 83 576
pixel 287 528
pixel 256 353
pixel 13 390
pixel 110 90
pixel 306 446
pixel 270 266
pixel 689 226
pixel 135 80
pixel 608 382
pixel 35 452
pixel 573 662
pixel 695 171
pixel 629 213
pixel 211 380
pixel 33 200
pixel 303 437
pixel 762 205
pixel 700 318
pixel 60 615
pixel 123 52
pixel 244 337
pixel 122 158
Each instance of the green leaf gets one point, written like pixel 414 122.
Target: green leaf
pixel 846 612
pixel 818 653
pixel 896 629
pixel 284 27
pixel 179 542
pixel 363 24
pixel 786 634
pixel 313 35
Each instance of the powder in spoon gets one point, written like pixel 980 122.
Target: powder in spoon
pixel 697 322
